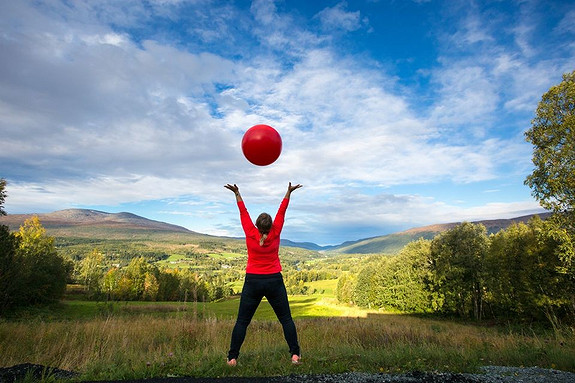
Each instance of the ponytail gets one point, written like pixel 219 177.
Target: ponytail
pixel 264 225
pixel 263 238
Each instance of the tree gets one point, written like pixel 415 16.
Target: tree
pixel 110 283
pixel 151 287
pixel 511 266
pixel 412 273
pixel 363 295
pixel 136 272
pixel 10 281
pixel 555 273
pixel 457 260
pixel 169 281
pixel 553 137
pixel 193 287
pixel 10 270
pixel 526 275
pixel 2 195
pixel 91 272
pixel 44 273
pixel 345 287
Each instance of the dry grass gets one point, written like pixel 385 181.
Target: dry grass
pixel 143 345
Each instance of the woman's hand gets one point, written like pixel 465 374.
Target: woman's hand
pixel 291 189
pixel 235 189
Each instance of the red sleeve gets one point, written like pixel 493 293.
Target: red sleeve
pixel 247 223
pixel 280 215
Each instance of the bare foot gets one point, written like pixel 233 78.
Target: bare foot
pixel 295 359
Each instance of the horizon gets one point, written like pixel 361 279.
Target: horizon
pixel 283 238
pixel 393 115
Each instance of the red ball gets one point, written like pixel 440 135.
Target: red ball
pixel 262 145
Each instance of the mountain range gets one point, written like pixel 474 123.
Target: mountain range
pixel 393 243
pixel 94 223
pixel 91 218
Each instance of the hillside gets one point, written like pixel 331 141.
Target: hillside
pixel 393 243
pixel 302 245
pixel 123 236
pixel 93 224
pixel 96 224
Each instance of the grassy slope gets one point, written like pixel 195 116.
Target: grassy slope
pixel 322 304
pixel 388 244
pixel 159 339
pixel 393 243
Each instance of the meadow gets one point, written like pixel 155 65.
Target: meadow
pixel 130 340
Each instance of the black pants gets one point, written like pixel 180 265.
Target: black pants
pixel 257 286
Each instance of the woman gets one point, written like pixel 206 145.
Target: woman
pixel 263 275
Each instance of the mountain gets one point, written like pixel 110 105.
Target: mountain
pixel 303 245
pixel 393 243
pixel 82 222
pixel 97 224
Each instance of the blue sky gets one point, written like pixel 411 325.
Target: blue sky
pixel 393 113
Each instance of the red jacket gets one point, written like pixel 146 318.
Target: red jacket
pixel 263 259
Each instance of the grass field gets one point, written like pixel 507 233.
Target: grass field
pixel 326 287
pixel 303 306
pixel 159 339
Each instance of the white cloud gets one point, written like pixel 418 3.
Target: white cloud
pixel 144 108
pixel 567 23
pixel 338 18
pixel 112 108
pixel 265 11
pixel 91 115
pixel 278 31
pixel 467 100
pixel 70 193
pixel 108 38
pixel 356 215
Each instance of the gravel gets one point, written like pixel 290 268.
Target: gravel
pixel 33 372
pixel 488 374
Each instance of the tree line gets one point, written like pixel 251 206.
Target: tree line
pixel 525 271
pixel 142 280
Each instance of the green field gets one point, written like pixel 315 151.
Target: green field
pixel 132 340
pixel 302 306
pixel 326 287
pixel 224 255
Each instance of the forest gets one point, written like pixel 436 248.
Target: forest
pixel 522 272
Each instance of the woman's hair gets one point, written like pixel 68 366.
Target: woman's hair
pixel 264 225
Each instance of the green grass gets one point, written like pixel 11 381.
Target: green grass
pixel 237 285
pixel 182 261
pixel 326 287
pixel 194 343
pixel 176 261
pixel 225 255
pixel 134 340
pixel 302 306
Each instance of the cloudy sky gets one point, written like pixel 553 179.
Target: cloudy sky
pixel 393 113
